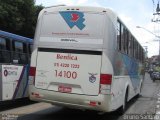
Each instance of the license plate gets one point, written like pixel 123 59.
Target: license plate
pixel 64 89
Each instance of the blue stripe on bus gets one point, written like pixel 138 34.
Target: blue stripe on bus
pixel 19 82
pixel 132 68
pixel 14 36
pixel 26 85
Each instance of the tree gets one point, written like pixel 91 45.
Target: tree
pixel 19 16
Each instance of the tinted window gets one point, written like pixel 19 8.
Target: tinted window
pixel 18 46
pixel 118 35
pixel 2 43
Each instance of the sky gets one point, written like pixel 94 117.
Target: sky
pixel 132 12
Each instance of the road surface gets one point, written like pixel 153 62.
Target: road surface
pixel 145 107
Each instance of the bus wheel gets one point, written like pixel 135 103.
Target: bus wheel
pixel 123 108
pixel 140 89
pixel 153 79
pixel 139 92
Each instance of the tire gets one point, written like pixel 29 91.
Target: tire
pixel 153 79
pixel 123 108
pixel 140 90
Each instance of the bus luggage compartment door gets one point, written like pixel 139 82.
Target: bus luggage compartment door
pixel 69 71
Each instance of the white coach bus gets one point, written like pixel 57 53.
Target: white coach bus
pixel 84 57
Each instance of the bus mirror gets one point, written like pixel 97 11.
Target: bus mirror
pixel 15 61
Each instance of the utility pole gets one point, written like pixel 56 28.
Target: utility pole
pixel 156 19
pixel 146 50
pixel 156 14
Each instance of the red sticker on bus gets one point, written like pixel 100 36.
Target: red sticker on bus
pixel 64 89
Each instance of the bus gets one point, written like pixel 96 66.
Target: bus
pixel 15 53
pixel 85 57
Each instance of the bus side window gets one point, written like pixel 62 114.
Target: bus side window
pixel 30 47
pixel 24 55
pixel 24 48
pixel 19 54
pixel 5 54
pixel 18 46
pixel 125 40
pixel 2 49
pixel 119 35
pixel 2 43
pixel 130 45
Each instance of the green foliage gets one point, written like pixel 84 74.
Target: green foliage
pixel 19 16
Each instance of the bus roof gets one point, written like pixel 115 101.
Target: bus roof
pixel 81 8
pixel 76 8
pixel 16 37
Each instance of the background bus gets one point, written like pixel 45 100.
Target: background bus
pixel 93 60
pixel 15 52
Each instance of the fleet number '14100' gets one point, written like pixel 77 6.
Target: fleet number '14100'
pixel 66 74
